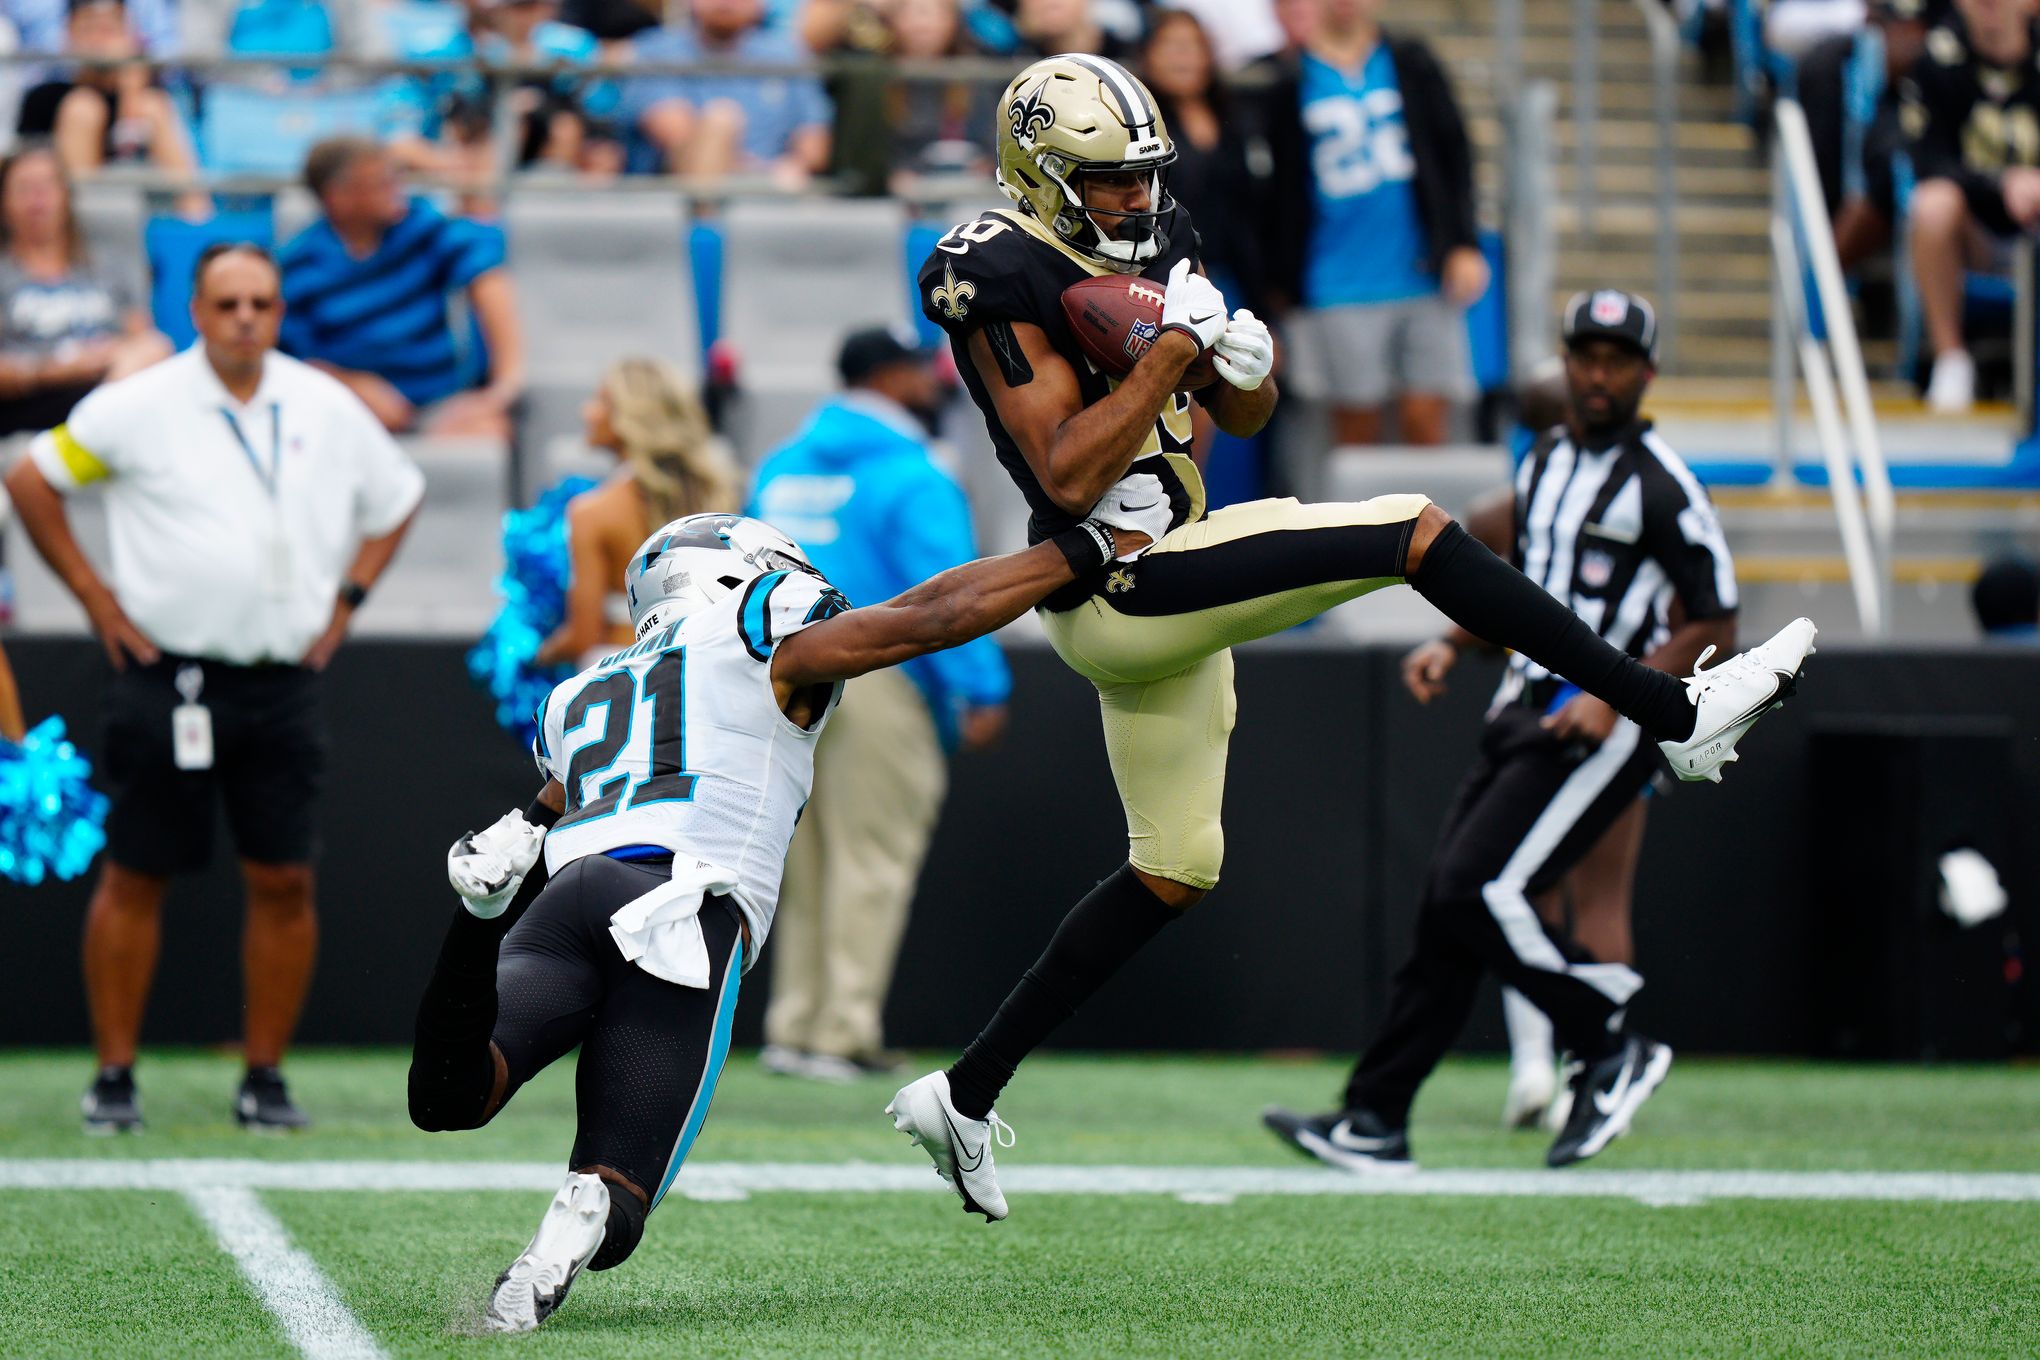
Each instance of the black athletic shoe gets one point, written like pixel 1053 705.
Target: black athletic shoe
pixel 264 1104
pixel 111 1104
pixel 1605 1097
pixel 1353 1140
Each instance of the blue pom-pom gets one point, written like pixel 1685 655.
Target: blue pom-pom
pixel 51 818
pixel 534 591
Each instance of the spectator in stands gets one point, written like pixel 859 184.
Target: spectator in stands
pixel 858 490
pixel 1855 153
pixel 98 117
pixel 281 28
pixel 712 125
pixel 1242 31
pixel 1793 28
pixel 668 465
pixel 446 122
pixel 891 132
pixel 368 287
pixel 1970 112
pixel 1049 27
pixel 67 323
pixel 41 25
pixel 2006 598
pixel 1373 222
pixel 611 21
pixel 1210 178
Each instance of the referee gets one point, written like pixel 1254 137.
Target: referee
pixel 1610 522
pixel 252 501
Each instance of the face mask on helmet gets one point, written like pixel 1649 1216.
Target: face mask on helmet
pixel 699 561
pixel 1131 238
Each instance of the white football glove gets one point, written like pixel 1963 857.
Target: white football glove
pixel 487 867
pixel 1245 354
pixel 1194 306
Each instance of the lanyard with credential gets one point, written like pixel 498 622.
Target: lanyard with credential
pixel 269 478
pixel 278 563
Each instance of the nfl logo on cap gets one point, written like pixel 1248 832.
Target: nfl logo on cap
pixel 1608 307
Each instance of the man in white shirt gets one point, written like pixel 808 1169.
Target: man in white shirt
pixel 252 501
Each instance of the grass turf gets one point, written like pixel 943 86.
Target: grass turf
pixel 127 1274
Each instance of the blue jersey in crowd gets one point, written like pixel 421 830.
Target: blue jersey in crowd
pixel 1367 243
pixel 386 312
pixel 414 105
pixel 775 107
pixel 857 490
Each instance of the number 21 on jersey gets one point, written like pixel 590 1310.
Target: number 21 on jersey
pixel 607 771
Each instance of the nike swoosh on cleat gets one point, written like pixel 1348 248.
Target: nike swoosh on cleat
pixel 956 1142
pixel 1343 1136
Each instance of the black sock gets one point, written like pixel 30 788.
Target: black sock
pixel 1101 932
pixel 452 1072
pixel 1496 603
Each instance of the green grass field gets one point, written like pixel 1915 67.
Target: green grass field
pixel 138 1272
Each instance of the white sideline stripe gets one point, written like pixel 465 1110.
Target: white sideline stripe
pixel 734 1179
pixel 289 1283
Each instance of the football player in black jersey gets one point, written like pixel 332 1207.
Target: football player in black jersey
pixel 1084 154
pixel 1970 112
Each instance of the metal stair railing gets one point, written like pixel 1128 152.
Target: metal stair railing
pixel 1831 361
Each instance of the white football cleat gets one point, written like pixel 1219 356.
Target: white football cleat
pixel 568 1237
pixel 1531 1088
pixel 961 1147
pixel 1729 699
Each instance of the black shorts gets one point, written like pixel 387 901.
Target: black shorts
pixel 269 756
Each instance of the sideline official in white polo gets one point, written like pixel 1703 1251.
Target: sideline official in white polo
pixel 252 502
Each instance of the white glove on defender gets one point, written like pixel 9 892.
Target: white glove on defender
pixel 1194 305
pixel 487 867
pixel 1245 354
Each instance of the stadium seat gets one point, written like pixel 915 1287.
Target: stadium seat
pixel 110 214
pixel 807 272
pixel 173 247
pixel 614 281
pixel 267 133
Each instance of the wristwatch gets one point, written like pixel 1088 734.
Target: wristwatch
pixel 352 593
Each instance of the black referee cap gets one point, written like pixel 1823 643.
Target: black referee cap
pixel 1611 314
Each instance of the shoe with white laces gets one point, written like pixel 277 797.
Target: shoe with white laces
pixel 961 1147
pixel 1951 387
pixel 1728 700
pixel 569 1235
pixel 1531 1088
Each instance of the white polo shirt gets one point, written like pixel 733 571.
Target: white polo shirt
pixel 232 525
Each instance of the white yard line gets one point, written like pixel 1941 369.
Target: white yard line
pixel 289 1283
pixel 731 1180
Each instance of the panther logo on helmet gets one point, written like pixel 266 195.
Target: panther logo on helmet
pixel 692 563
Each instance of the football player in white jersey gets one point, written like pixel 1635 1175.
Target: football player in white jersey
pixel 620 909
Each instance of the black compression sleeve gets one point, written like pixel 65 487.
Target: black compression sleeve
pixel 1498 604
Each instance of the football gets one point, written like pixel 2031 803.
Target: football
pixel 1116 317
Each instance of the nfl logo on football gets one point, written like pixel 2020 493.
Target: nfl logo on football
pixel 1141 338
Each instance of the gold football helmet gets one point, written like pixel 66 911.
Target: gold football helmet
pixel 1072 115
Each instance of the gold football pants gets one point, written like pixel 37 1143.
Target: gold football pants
pixel 1156 640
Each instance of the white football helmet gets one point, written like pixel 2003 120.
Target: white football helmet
pixel 699 560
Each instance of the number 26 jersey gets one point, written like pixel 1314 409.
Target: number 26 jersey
pixel 679 742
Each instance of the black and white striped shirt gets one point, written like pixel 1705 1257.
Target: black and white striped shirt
pixel 1614 533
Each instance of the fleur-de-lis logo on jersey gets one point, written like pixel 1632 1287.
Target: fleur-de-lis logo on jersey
pixel 953 295
pixel 1030 116
pixel 1119 582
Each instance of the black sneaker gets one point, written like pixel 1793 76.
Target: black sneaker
pixel 1605 1097
pixel 1356 1140
pixel 111 1104
pixel 263 1103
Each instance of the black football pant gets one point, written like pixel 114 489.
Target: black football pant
pixel 1529 809
pixel 650 1050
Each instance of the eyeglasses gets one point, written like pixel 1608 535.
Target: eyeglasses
pixel 259 305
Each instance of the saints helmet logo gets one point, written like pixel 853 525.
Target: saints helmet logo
pixel 1030 116
pixel 953 295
